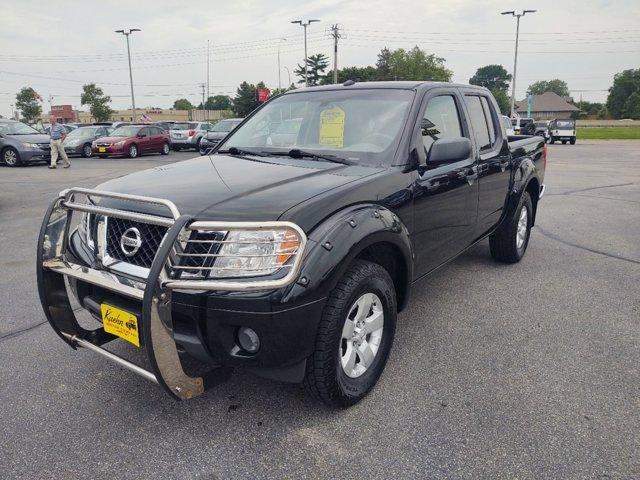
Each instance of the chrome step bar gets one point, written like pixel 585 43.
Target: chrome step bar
pixel 156 324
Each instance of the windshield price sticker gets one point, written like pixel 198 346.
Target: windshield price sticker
pixel 332 127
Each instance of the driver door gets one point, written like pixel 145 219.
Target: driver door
pixel 445 195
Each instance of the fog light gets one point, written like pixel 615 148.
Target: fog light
pixel 248 339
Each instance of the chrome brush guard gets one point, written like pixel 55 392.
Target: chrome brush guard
pixel 154 292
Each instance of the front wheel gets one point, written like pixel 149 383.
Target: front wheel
pixel 133 151
pixel 509 242
pixel 165 149
pixel 354 336
pixel 11 157
pixel 86 151
pixel 572 141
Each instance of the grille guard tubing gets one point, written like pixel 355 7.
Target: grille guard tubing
pixel 156 320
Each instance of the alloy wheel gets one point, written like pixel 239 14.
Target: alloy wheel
pixel 10 157
pixel 522 227
pixel 361 335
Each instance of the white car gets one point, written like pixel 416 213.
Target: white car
pixel 508 128
pixel 188 134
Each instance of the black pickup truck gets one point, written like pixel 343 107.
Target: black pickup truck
pixel 291 261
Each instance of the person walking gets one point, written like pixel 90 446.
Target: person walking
pixel 57 134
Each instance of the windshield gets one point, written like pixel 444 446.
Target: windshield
pixel 564 123
pixel 16 128
pixel 362 125
pixel 225 125
pixel 184 126
pixel 126 131
pixel 83 132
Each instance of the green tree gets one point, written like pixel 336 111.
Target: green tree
pixel 493 77
pixel 556 86
pixel 316 65
pixel 182 104
pixel 27 103
pixel 504 103
pixel 383 65
pixel 358 74
pixel 246 99
pixel 414 64
pixel 98 102
pixel 218 102
pixel 632 106
pixel 625 84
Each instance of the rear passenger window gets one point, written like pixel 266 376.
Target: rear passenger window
pixel 441 120
pixel 487 114
pixel 479 122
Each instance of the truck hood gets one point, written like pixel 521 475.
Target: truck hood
pixel 225 188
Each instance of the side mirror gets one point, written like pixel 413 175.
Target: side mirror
pixel 449 150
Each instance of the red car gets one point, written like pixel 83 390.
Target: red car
pixel 132 141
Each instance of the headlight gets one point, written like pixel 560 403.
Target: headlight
pixel 254 253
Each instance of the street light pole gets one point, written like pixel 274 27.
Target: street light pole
pixel 133 99
pixel 279 43
pixel 288 75
pixel 305 25
pixel 515 60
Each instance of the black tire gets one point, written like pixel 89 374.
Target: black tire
pixel 564 142
pixel 325 377
pixel 86 150
pixel 503 243
pixel 165 149
pixel 11 157
pixel 572 141
pixel 198 144
pixel 133 151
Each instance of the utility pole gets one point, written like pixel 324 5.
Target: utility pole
pixel 305 25
pixel 515 60
pixel 335 33
pixel 203 86
pixel 207 114
pixel 279 43
pixel 288 75
pixel 126 34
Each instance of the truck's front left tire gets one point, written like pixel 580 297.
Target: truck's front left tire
pixel 509 242
pixel 354 336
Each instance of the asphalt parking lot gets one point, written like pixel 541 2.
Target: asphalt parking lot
pixel 498 371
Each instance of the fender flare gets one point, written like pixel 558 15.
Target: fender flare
pixel 339 239
pixel 523 176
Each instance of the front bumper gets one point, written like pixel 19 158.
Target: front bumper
pixel 171 311
pixel 34 155
pixel 109 150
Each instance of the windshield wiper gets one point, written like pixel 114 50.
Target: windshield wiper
pixel 297 153
pixel 240 151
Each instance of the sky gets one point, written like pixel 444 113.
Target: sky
pixel 56 47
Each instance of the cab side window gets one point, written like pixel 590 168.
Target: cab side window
pixel 481 121
pixel 440 120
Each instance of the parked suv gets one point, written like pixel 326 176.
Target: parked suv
pixel 20 144
pixel 217 133
pixel 188 134
pixel 132 141
pixel 78 142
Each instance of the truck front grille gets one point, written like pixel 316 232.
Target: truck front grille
pixel 150 238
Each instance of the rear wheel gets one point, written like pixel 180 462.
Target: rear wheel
pixel 86 151
pixel 354 336
pixel 133 151
pixel 165 149
pixel 11 157
pixel 509 242
pixel 572 141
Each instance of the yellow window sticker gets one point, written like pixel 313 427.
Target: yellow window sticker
pixel 332 127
